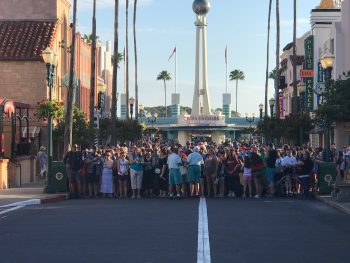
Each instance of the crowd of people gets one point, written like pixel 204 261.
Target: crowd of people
pixel 237 169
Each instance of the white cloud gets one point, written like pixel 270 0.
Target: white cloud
pixel 101 4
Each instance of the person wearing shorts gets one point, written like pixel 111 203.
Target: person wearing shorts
pixel 175 177
pixel 136 174
pixel 194 161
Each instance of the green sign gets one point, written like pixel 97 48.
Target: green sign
pixel 309 64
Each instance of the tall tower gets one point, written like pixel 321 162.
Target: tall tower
pixel 201 102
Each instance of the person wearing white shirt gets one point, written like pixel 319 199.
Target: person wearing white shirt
pixel 175 178
pixel 289 163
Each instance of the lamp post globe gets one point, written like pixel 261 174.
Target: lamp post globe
pixel 48 56
pixel 201 7
pixel 327 60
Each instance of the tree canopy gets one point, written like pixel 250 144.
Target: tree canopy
pixel 336 102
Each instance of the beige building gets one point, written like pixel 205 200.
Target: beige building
pixel 27 27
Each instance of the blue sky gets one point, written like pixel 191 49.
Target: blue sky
pixel 162 24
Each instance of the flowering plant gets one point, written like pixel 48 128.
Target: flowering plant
pixel 53 108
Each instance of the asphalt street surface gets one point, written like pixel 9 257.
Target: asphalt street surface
pixel 164 230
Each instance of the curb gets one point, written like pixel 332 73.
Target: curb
pixel 53 199
pixel 332 204
pixel 46 200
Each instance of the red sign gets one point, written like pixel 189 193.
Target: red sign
pixel 281 102
pixel 306 73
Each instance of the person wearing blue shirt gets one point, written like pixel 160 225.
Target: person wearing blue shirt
pixel 194 161
pixel 175 178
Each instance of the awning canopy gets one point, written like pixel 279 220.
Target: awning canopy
pixel 33 132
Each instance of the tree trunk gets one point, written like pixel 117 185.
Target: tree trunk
pixel 127 58
pixel 135 54
pixel 93 67
pixel 68 126
pixel 115 74
pixel 277 80
pixel 267 59
pixel 166 112
pixel 295 86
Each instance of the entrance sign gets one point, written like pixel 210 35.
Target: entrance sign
pixel 202 120
pixel 309 65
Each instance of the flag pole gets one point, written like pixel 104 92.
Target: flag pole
pixel 226 67
pixel 175 69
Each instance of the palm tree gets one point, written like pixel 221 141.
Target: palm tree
pixel 277 113
pixel 88 38
pixel 135 55
pixel 165 76
pixel 93 64
pixel 119 58
pixel 295 86
pixel 267 58
pixel 68 123
pixel 272 74
pixel 237 75
pixel 127 58
pixel 115 75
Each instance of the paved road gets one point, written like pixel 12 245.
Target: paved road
pixel 154 230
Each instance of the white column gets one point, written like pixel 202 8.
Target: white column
pixel 196 97
pixel 206 101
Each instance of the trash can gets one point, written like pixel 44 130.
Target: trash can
pixel 59 177
pixel 326 172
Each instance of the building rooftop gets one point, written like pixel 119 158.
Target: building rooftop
pixel 25 40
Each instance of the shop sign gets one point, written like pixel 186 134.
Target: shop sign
pixel 281 105
pixel 309 65
pixel 320 73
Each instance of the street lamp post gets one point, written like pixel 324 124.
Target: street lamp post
pixel 51 59
pixel 131 103
pixel 101 97
pixel 261 107
pixel 272 105
pixel 250 120
pixel 327 62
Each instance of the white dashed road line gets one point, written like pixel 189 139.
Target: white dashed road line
pixel 14 206
pixel 203 252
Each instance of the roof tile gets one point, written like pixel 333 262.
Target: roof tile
pixel 25 40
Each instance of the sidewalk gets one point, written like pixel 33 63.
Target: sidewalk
pixel 27 194
pixel 332 201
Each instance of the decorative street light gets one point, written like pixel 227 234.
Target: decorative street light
pixel 261 107
pixel 131 103
pixel 101 87
pixel 327 63
pixel 51 60
pixel 250 120
pixel 272 105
